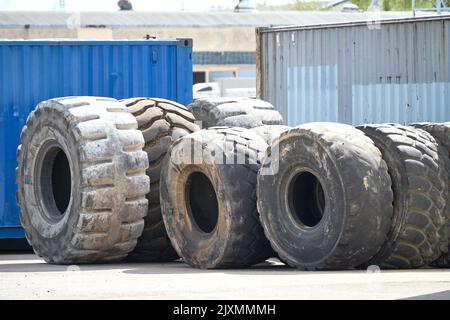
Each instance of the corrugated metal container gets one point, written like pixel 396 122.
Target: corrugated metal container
pixel 389 71
pixel 33 71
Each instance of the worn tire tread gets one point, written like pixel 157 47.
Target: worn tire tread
pixel 235 112
pixel 91 118
pixel 425 193
pixel 161 122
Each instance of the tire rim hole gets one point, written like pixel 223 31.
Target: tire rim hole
pixel 56 182
pixel 202 202
pixel 306 199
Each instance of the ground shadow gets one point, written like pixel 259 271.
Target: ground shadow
pixel 14 245
pixel 441 295
pixel 23 263
pixel 268 267
pixel 17 255
pixel 31 263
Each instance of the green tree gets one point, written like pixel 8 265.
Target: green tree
pixel 362 4
pixel 396 5
pixel 385 5
pixel 301 5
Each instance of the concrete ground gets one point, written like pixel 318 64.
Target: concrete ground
pixel 25 276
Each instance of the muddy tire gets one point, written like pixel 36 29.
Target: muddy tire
pixel 419 182
pixel 209 201
pixel 441 132
pixel 161 122
pixel 328 204
pixel 270 132
pixel 235 112
pixel 81 180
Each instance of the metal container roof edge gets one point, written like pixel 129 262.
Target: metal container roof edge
pixel 186 42
pixel 350 24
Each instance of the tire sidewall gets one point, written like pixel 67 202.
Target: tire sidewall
pixel 318 242
pixel 51 237
pixel 197 248
pixel 399 180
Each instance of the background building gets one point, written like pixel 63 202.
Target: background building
pixel 224 43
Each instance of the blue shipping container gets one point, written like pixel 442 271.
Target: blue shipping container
pixel 33 71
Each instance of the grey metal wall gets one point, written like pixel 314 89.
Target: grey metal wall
pixel 393 71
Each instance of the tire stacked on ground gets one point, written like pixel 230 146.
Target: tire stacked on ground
pixel 235 112
pixel 418 232
pixel 441 132
pixel 81 180
pixel 270 132
pixel 161 123
pixel 208 198
pixel 99 180
pixel 328 203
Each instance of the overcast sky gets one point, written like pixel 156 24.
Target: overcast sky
pixel 138 5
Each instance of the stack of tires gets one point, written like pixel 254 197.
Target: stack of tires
pixel 100 180
pixel 346 197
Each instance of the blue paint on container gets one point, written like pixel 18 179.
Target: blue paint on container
pixel 34 71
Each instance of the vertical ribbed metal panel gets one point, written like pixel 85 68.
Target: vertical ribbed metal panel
pixel 397 71
pixel 33 71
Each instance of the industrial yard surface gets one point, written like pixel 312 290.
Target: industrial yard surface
pixel 25 276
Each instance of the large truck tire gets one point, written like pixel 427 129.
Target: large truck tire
pixel 161 122
pixel 208 198
pixel 270 132
pixel 419 182
pixel 235 112
pixel 81 180
pixel 441 132
pixel 329 204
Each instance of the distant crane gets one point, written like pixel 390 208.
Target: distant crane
pixel 62 5
pixel 439 7
pixel 59 5
pixel 245 6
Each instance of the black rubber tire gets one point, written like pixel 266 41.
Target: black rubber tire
pixel 161 122
pixel 328 206
pixel 419 182
pixel 235 112
pixel 225 233
pixel 441 132
pixel 81 180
